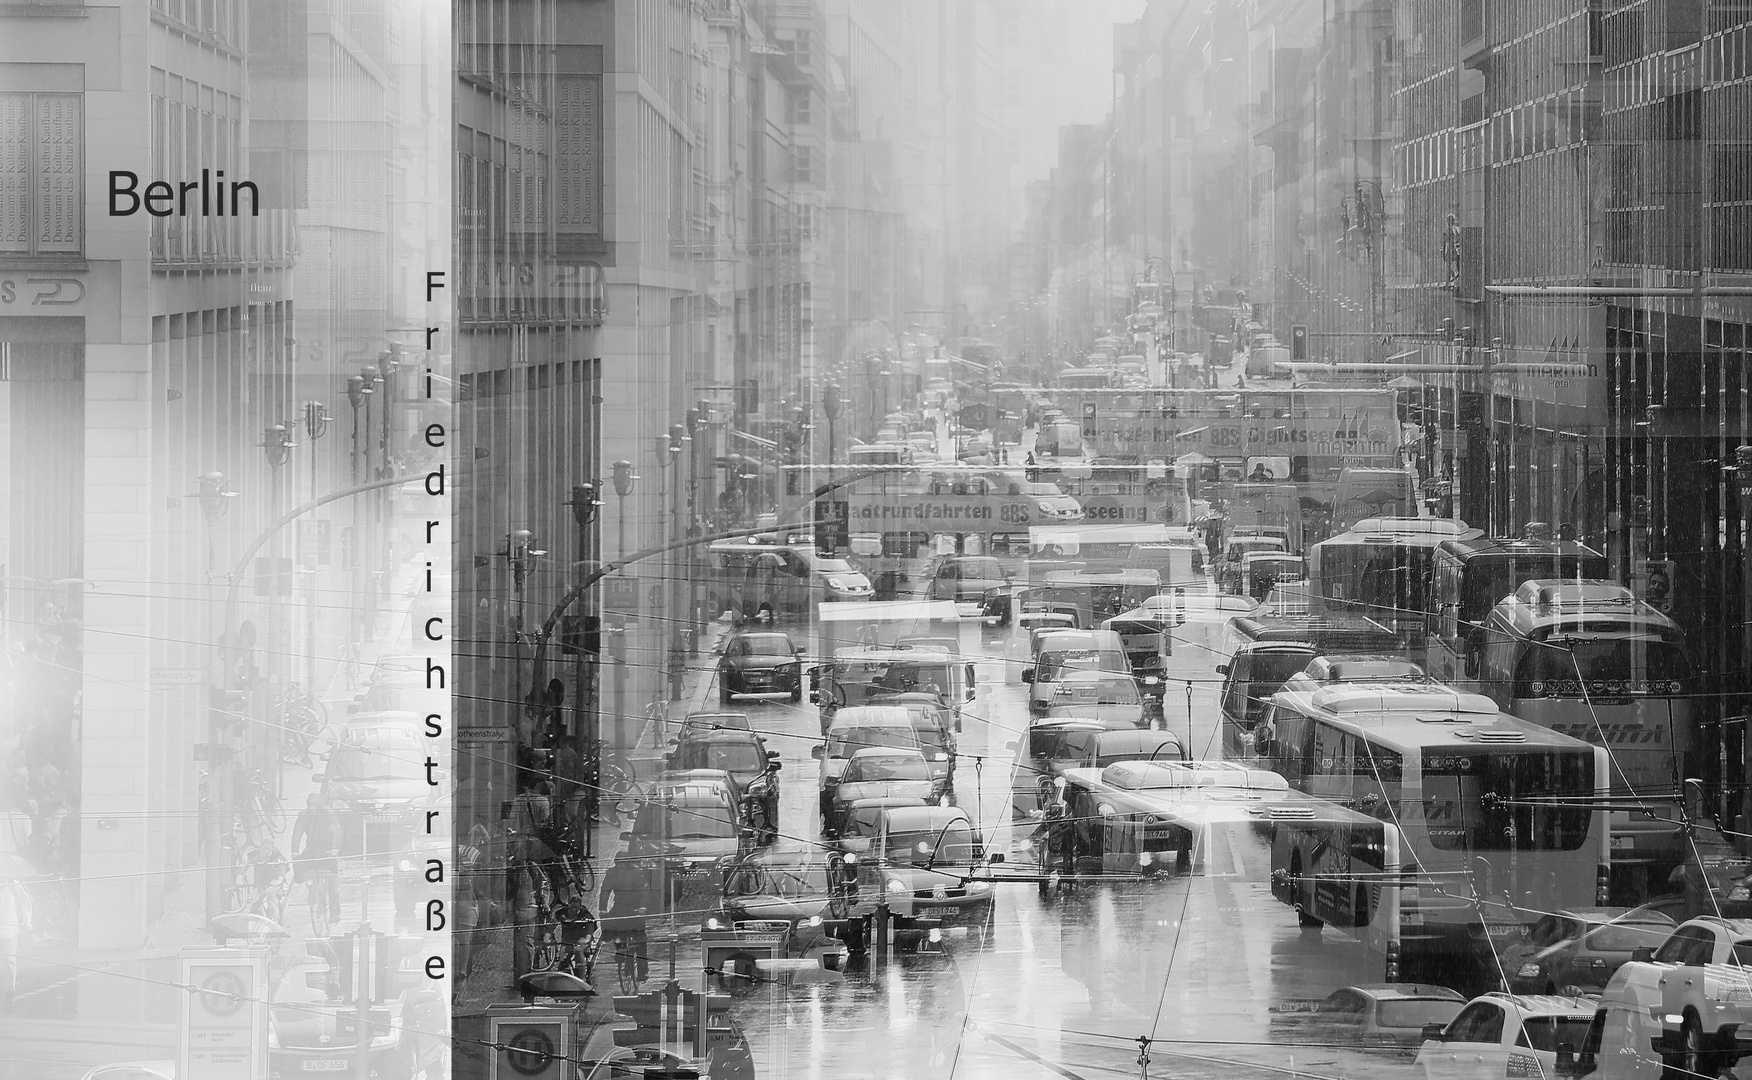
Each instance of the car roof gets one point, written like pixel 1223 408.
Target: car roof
pixel 730 720
pixel 1400 991
pixel 1543 1004
pixel 886 751
pixel 925 817
pixel 871 716
pixel 1080 676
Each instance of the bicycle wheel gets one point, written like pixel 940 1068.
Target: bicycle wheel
pixel 319 737
pixel 319 913
pixel 626 967
pixel 544 954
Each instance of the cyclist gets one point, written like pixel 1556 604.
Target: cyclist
pixel 319 856
pixel 630 892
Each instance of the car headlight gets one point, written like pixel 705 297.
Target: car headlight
pixel 1151 680
pixel 851 858
pixel 979 886
pixel 940 756
pixel 814 920
pixel 405 866
pixel 1740 892
pixel 836 583
pixel 714 923
pixel 1528 970
pixel 896 886
pixel 1104 809
pixel 1044 506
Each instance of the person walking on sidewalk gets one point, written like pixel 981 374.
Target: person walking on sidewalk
pixel 677 670
pixel 14 924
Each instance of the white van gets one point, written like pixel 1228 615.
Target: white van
pixel 1620 1042
pixel 1070 650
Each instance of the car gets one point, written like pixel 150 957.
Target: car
pixel 740 753
pixel 1046 503
pixel 1500 1034
pixel 1374 1014
pixel 760 666
pixel 712 721
pixel 1579 948
pixel 881 772
pixel 1058 654
pixel 698 813
pixel 936 724
pixel 1704 990
pixel 373 779
pixel 964 579
pixel 859 821
pixel 1101 695
pixel 1231 563
pixel 795 885
pixel 1056 744
pixel 855 729
pixel 921 863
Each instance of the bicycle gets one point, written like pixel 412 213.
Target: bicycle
pixel 320 892
pixel 305 731
pixel 260 802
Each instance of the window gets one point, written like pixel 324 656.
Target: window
pixel 41 136
pixel 1480 1022
pixel 1689 945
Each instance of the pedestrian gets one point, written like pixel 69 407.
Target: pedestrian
pixel 677 669
pixel 14 924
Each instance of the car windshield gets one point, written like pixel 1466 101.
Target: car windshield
pixel 983 568
pixel 765 645
pixel 1054 664
pixel 887 767
pixel 844 744
pixel 700 820
pixel 833 566
pixel 1414 1013
pixel 729 756
pixel 1547 1032
pixel 787 880
pixel 953 845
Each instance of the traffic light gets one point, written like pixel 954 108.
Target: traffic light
pixel 227 705
pixel 1088 420
pixel 1298 342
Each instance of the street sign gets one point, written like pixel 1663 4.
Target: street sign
pixel 483 734
pixel 531 1042
pixel 222 1033
pixel 182 676
pixel 313 542
pixel 620 595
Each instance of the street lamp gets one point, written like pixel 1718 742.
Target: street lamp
pixel 624 482
pixel 277 444
pixel 214 499
pixel 832 406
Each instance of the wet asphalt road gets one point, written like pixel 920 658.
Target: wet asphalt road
pixel 1063 986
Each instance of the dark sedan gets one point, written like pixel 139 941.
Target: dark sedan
pixel 761 666
pixel 881 773
pixel 1580 948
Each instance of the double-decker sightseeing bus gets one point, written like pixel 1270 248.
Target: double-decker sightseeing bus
pixel 777 576
pixel 1381 570
pixel 1588 659
pixel 1121 494
pixel 1500 818
pixel 1469 577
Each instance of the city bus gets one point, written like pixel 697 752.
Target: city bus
pixel 757 578
pixel 1095 546
pixel 1381 569
pixel 1469 577
pixel 1501 816
pixel 1131 495
pixel 1588 659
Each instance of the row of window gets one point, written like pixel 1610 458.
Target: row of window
pixel 41 153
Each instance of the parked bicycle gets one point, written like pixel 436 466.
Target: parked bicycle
pixel 261 883
pixel 305 731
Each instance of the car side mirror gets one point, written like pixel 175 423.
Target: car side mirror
pixel 800 650
pixel 1644 955
pixel 1434 1031
pixel 1012 745
pixel 814 697
pixel 816 751
pixel 1222 669
pixel 1027 675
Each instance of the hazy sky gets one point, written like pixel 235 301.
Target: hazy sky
pixel 1091 48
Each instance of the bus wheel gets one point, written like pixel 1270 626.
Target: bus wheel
pixel 1304 896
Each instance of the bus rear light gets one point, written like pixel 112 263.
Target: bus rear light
pixel 1392 971
pixel 1603 884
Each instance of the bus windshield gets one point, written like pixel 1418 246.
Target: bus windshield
pixel 1459 817
pixel 1612 666
pixel 1387 578
pixel 1489 579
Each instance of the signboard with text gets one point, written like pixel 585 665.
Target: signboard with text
pixel 222 1033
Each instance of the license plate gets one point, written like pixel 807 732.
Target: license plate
pixel 326 1065
pixel 686 869
pixel 384 815
pixel 1505 930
